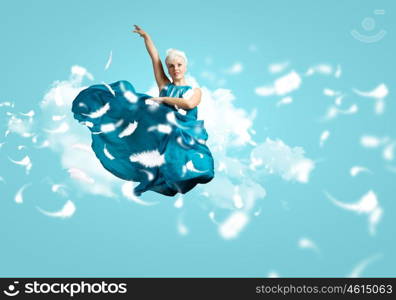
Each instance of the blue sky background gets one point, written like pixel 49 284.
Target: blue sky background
pixel 112 236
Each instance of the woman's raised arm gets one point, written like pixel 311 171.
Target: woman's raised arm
pixel 159 73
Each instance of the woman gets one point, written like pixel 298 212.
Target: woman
pixel 158 141
pixel 176 63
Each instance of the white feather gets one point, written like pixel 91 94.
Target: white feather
pixel 148 158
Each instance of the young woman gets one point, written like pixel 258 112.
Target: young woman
pixel 156 141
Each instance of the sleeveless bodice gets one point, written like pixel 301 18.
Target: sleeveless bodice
pixel 180 91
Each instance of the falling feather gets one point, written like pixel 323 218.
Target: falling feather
pixel 148 158
pixel 19 195
pixel 98 113
pixel 109 60
pixel 65 212
pixel 131 127
pixel 127 191
pixel 358 169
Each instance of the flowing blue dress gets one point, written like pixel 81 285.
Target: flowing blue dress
pixel 158 145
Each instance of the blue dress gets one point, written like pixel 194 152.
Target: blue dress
pixel 158 145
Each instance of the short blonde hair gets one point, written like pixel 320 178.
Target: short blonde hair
pixel 172 53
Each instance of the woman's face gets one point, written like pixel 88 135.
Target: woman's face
pixel 177 67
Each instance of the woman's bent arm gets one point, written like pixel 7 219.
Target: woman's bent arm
pixel 179 102
pixel 189 103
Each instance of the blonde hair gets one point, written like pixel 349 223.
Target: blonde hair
pixel 172 53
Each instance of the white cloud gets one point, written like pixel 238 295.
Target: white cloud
pixel 213 78
pixel 80 175
pixel 62 128
pixel 21 126
pixel 281 86
pixel 228 126
pixel 234 190
pixel 279 158
pixel 236 68
pixel 84 168
pixel 127 191
pixel 233 132
pixel 278 67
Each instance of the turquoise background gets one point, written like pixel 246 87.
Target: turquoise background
pixel 41 40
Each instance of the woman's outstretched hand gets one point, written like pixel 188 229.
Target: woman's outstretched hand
pixel 140 31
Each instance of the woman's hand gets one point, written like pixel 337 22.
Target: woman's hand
pixel 140 31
